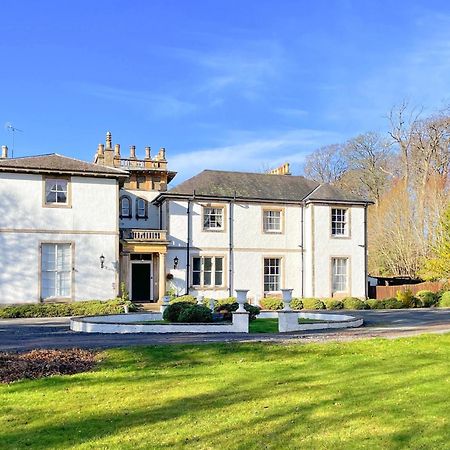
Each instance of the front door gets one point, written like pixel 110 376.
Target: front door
pixel 141 282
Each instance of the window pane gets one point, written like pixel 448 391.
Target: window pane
pixel 196 263
pixel 218 271
pixel 338 221
pixel 339 274
pixel 272 220
pixel 207 263
pixel 272 274
pixel 196 278
pixel 207 278
pixel 212 218
pixel 56 270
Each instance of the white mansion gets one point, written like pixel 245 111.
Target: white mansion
pixel 72 230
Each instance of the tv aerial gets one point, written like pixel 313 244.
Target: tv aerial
pixel 12 129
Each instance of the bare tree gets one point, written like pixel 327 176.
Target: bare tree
pixel 325 165
pixel 368 158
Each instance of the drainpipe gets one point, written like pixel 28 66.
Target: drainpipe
pixel 230 250
pixel 302 225
pixel 366 288
pixel 188 245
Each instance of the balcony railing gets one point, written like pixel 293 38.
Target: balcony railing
pixel 135 234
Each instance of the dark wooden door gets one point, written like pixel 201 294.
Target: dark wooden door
pixel 140 279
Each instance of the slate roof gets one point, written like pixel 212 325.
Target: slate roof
pixel 258 186
pixel 53 162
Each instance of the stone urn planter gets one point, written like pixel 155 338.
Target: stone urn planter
pixel 287 298
pixel 241 297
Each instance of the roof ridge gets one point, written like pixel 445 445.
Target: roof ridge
pixel 31 156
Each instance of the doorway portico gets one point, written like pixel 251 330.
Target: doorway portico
pixel 143 264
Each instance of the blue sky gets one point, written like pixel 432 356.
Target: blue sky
pixel 233 85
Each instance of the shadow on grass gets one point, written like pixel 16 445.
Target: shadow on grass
pixel 241 396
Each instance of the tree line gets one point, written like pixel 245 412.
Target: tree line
pixel 405 172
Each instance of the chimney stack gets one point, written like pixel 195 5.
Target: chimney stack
pixel 4 151
pixel 117 151
pixel 147 153
pixel 108 140
pixel 132 152
pixel 161 154
pixel 100 149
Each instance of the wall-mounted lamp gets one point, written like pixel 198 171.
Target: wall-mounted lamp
pixel 175 262
pixel 102 261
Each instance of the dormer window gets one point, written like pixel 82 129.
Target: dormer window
pixel 125 207
pixel 56 192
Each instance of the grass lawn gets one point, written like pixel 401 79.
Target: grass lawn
pixel 389 394
pixel 271 325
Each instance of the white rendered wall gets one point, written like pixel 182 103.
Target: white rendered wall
pixel 90 224
pixel 250 246
pixel 321 247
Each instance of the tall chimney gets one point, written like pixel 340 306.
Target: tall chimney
pixel 117 151
pixel 4 151
pixel 100 149
pixel 108 140
pixel 161 154
pixel 132 152
pixel 147 152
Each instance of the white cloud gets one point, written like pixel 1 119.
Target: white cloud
pixel 253 155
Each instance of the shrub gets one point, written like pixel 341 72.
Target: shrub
pixel 392 303
pixel 195 314
pixel 271 303
pixel 331 303
pixel 297 303
pixel 427 298
pixel 408 300
pixel 184 299
pixel 173 311
pixel 84 308
pixel 444 302
pixel 227 308
pixel 354 303
pixel 313 303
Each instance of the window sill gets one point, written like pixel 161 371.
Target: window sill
pixel 56 205
pixel 209 288
pixel 214 230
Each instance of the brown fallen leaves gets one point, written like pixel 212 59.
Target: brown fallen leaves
pixel 43 363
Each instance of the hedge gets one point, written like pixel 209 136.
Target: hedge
pixel 354 303
pixel 271 303
pixel 313 303
pixel 331 303
pixel 84 308
pixel 444 302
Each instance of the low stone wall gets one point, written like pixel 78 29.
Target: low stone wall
pixel 288 321
pixel 126 323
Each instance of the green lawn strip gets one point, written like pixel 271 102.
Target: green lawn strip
pixel 271 325
pixel 388 394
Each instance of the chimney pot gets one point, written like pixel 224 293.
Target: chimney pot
pixel 108 140
pixel 147 152
pixel 117 150
pixel 4 151
pixel 161 154
pixel 132 152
